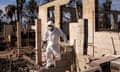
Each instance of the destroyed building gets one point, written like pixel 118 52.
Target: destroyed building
pixel 94 39
pixel 91 35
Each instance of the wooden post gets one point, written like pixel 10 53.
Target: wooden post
pixel 18 38
pixel 114 24
pixel 38 41
pixel 57 16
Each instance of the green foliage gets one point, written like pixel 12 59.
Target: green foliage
pixel 21 1
pixel 32 5
pixel 108 1
pixel 1 12
pixel 32 10
pixel 10 11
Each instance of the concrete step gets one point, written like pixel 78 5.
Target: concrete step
pixel 57 69
pixel 67 56
pixel 62 65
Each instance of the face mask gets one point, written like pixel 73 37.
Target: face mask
pixel 50 28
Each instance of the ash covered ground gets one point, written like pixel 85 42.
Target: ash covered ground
pixel 18 65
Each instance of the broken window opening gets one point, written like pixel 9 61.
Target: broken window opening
pixel 78 4
pixel 107 17
pixel 51 14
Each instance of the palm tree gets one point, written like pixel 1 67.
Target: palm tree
pixel 10 11
pixel 32 6
pixel 106 17
pixel 79 9
pixel 19 9
pixel 1 14
pixel 33 10
pixel 0 20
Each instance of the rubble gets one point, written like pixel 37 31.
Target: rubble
pixel 19 65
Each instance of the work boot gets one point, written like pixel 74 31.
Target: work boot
pixel 50 66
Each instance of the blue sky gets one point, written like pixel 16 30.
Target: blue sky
pixel 115 4
pixel 3 3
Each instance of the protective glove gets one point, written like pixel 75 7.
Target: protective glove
pixel 66 46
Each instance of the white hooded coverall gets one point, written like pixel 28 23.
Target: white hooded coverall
pixel 53 47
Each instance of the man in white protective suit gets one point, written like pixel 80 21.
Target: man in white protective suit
pixel 53 35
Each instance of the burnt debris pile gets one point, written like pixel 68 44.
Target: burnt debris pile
pixel 19 65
